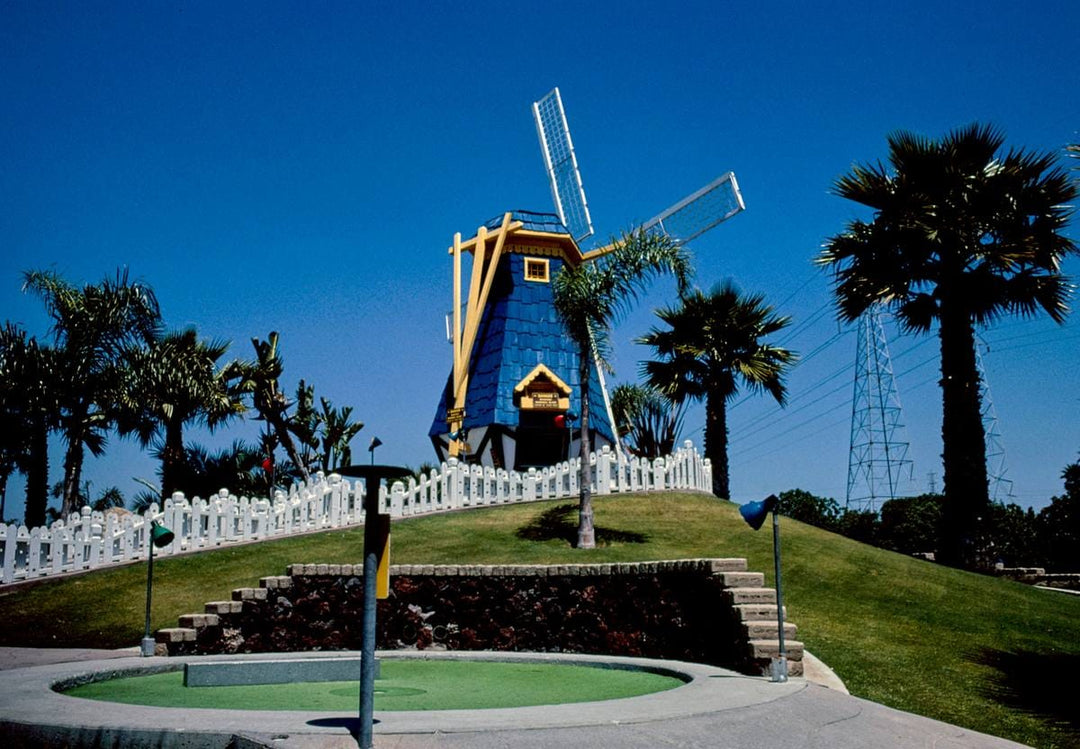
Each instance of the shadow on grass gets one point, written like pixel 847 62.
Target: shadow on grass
pixel 560 524
pixel 1032 682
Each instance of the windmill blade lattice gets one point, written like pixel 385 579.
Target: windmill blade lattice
pixel 562 167
pixel 695 214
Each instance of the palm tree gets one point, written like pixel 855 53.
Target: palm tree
pixel 29 410
pixel 588 298
pixel 648 422
pixel 304 423
pixel 961 235
pixel 172 383
pixel 714 345
pixel 91 328
pixel 260 379
pixel 336 432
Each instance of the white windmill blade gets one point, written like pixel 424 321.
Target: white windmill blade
pixel 562 167
pixel 697 213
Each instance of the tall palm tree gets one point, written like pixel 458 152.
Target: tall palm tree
pixel 714 345
pixel 589 298
pixel 961 235
pixel 173 382
pixel 91 327
pixel 260 379
pixel 29 410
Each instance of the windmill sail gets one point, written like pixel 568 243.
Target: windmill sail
pixel 562 167
pixel 697 213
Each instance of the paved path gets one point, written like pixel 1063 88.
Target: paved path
pixel 718 708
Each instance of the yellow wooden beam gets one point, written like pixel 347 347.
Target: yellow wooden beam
pixel 599 252
pixel 469 244
pixel 464 351
pixel 484 270
pixel 472 322
pixel 456 249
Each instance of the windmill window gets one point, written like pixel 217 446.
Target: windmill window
pixel 536 269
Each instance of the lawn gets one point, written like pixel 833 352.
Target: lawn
pixel 968 649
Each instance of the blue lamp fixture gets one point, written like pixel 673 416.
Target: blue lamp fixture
pixel 754 513
pixel 160 537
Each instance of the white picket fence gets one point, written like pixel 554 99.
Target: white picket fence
pixel 91 540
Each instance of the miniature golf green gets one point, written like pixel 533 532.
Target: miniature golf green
pixel 405 685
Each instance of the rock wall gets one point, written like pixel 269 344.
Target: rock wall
pixel 685 610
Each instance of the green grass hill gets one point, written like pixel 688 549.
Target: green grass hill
pixel 977 651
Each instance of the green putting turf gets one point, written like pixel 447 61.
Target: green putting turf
pixel 406 685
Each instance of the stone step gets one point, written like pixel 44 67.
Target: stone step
pixel 224 607
pixel 760 630
pixel 733 564
pixel 753 612
pixel 749 595
pixel 300 570
pixel 249 594
pixel 741 579
pixel 763 649
pixel 175 634
pixel 275 582
pixel 199 621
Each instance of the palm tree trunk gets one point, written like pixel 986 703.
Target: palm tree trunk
pixel 73 462
pixel 37 476
pixel 586 532
pixel 172 458
pixel 964 453
pixel 716 441
pixel 282 431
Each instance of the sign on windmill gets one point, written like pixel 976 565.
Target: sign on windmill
pixel 515 371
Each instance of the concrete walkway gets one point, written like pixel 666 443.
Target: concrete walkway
pixel 716 708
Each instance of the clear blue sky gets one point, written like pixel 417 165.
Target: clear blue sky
pixel 302 167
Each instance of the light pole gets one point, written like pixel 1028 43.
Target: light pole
pixel 754 514
pixel 159 536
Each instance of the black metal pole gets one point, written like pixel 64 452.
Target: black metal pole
pixel 146 647
pixel 780 669
pixel 372 476
pixel 367 641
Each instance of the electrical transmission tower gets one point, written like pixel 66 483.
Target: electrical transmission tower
pixel 878 463
pixel 1001 488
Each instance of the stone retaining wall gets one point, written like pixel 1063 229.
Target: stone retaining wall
pixel 702 610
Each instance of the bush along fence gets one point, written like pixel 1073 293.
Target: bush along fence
pixel 90 540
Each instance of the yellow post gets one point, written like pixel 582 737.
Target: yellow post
pixel 382 573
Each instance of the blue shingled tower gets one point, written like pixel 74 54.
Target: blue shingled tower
pixel 522 368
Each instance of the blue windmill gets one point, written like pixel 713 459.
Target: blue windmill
pixel 513 390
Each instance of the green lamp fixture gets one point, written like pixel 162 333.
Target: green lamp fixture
pixel 160 537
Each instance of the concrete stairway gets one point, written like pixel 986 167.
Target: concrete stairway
pixel 754 606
